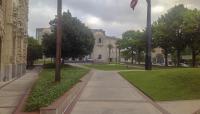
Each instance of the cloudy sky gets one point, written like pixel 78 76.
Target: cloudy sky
pixel 114 16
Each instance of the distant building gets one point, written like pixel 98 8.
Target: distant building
pixel 158 57
pixel 13 38
pixel 101 51
pixel 40 32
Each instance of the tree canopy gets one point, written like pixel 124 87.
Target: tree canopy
pixel 77 39
pixel 175 32
pixel 34 51
pixel 133 43
pixel 177 29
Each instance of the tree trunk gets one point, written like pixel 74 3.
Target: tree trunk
pixel 119 55
pixel 139 53
pixel 109 56
pixel 193 58
pixel 132 56
pixel 116 56
pixel 166 58
pixel 178 57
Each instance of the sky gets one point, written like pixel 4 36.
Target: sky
pixel 113 16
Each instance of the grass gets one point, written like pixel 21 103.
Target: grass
pixel 167 85
pixel 41 61
pixel 108 67
pixel 46 91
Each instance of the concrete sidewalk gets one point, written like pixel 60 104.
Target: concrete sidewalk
pixel 11 94
pixel 108 93
pixel 181 107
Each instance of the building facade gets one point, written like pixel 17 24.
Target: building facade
pixel 40 32
pixel 105 48
pixel 13 38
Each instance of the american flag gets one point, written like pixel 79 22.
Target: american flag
pixel 133 4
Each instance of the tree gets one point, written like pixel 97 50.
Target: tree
pixel 34 51
pixel 77 39
pixel 134 42
pixel 161 38
pixel 174 22
pixel 119 46
pixel 191 29
pixel 110 47
pixel 48 44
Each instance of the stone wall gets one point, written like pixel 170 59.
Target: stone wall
pixel 13 34
pixel 101 47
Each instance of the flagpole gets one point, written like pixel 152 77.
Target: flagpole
pixel 58 41
pixel 148 61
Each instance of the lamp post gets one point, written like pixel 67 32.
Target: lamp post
pixel 58 41
pixel 148 61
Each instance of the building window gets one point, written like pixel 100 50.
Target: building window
pixel 100 56
pixel 100 40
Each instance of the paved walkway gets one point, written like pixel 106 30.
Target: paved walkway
pixel 108 93
pixel 11 94
pixel 181 107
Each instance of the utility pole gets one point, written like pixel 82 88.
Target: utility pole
pixel 58 41
pixel 148 61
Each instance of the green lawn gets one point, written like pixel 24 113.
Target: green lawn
pixel 41 61
pixel 108 67
pixel 46 91
pixel 167 85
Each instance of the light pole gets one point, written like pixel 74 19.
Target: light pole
pixel 148 61
pixel 58 41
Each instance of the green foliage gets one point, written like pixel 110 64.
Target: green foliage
pixel 47 91
pixel 191 30
pixel 177 29
pixel 49 45
pixel 34 51
pixel 77 39
pixel 133 43
pixel 167 85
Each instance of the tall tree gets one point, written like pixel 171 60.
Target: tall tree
pixel 174 22
pixel 191 29
pixel 77 39
pixel 110 47
pixel 134 42
pixel 119 47
pixel 34 51
pixel 161 38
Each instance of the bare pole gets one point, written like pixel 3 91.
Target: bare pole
pixel 58 42
pixel 148 62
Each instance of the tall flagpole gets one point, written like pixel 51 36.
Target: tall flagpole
pixel 148 61
pixel 58 41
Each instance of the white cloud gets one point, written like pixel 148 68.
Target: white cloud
pixel 93 21
pixel 114 16
pixel 158 9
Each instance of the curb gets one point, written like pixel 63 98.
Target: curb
pixel 65 103
pixel 20 106
pixel 162 110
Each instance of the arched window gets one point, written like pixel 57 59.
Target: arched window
pixel 100 40
pixel 100 56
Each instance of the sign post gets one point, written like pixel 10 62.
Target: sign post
pixel 58 41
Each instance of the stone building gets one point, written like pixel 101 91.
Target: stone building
pixel 13 38
pixel 158 57
pixel 40 32
pixel 101 51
